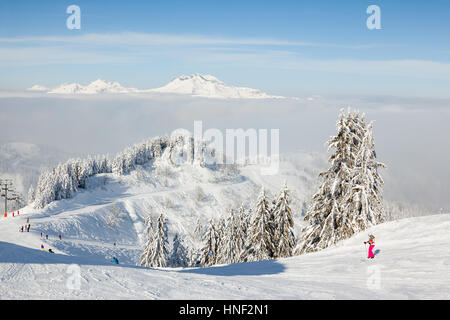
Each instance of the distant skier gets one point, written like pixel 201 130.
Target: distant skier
pixel 28 228
pixel 46 236
pixel 371 243
pixel 50 250
pixel 114 259
pixel 59 237
pixel 28 220
pixel 42 235
pixel 21 229
pixel 42 247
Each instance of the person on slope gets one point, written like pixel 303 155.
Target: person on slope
pixel 114 259
pixel 371 243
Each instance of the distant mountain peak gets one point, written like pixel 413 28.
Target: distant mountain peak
pixel 198 85
pixel 95 87
pixel 210 87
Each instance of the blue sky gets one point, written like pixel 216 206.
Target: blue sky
pixel 282 47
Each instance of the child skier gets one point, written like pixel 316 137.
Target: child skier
pixel 371 243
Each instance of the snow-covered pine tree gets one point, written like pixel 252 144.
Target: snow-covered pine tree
pixel 241 232
pixel 243 216
pixel 365 202
pixel 328 214
pixel 260 241
pixel 220 228
pixel 284 224
pixel 231 243
pixel 160 244
pixel 208 254
pixel 179 256
pixel 31 195
pixel 146 257
pixel 198 232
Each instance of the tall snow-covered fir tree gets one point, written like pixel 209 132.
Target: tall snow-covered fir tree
pixel 365 203
pixel 244 217
pixel 156 251
pixel 335 212
pixel 198 232
pixel 147 255
pixel 283 224
pixel 208 254
pixel 31 194
pixel 232 240
pixel 179 256
pixel 260 240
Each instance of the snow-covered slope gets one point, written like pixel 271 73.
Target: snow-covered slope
pixel 210 87
pixel 186 194
pixel 411 264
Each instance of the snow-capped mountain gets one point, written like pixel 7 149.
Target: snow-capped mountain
pixel 95 87
pixel 196 85
pixel 210 87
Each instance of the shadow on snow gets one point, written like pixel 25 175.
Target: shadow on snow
pixel 12 253
pixel 256 268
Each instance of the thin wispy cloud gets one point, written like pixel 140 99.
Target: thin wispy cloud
pixel 258 53
pixel 148 39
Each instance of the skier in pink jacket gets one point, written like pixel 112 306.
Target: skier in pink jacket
pixel 371 243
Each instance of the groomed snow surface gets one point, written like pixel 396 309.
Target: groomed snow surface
pixel 413 262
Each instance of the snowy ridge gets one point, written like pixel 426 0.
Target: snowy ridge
pixel 195 85
pixel 95 87
pixel 210 87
